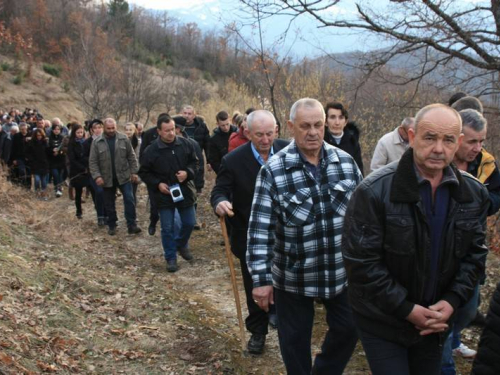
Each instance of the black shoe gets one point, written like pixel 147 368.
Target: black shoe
pixel 151 229
pixel 185 253
pixel 273 321
pixel 112 231
pixel 256 343
pixel 79 216
pixel 197 227
pixel 172 265
pixel 134 229
pixel 101 222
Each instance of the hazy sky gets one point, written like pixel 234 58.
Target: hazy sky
pixel 305 36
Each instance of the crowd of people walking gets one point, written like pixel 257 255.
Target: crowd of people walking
pixel 396 256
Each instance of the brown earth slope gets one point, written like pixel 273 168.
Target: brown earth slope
pixel 74 300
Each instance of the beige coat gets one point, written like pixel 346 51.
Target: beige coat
pixel 389 148
pixel 100 160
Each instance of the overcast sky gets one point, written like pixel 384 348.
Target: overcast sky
pixel 307 39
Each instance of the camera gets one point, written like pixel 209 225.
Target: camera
pixel 176 192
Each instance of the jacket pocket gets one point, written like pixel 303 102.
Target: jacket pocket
pixel 399 235
pixel 340 193
pixel 298 208
pixel 464 233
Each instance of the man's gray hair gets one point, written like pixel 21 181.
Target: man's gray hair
pixel 408 122
pixel 56 121
pixel 305 102
pixel 110 120
pixel 187 106
pixel 473 119
pixel 468 102
pixel 259 115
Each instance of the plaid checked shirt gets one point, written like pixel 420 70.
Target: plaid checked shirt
pixel 295 227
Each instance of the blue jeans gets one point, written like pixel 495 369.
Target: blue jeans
pixel 387 357
pixel 464 316
pixel 295 322
pixel 98 198
pixel 171 241
pixel 128 203
pixel 41 181
pixel 57 178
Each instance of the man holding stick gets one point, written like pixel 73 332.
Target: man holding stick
pixel 236 182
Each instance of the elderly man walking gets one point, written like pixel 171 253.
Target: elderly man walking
pixel 113 165
pixel 294 238
pixel 414 248
pixel 234 191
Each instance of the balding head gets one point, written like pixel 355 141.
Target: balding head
pixel 435 139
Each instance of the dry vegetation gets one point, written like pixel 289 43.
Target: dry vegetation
pixel 74 300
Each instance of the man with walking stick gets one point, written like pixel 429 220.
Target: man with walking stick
pixel 235 183
pixel 294 238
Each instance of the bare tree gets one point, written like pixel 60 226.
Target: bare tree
pixel 268 62
pixel 440 33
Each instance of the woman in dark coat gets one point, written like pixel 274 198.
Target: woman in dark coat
pixel 78 172
pixel 487 360
pixel 57 159
pixel 341 133
pixel 37 157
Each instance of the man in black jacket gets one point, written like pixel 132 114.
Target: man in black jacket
pixel 414 248
pixel 169 165
pixel 341 133
pixel 235 183
pixel 219 142
pixel 196 128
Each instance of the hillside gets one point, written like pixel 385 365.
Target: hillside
pixel 74 300
pixel 42 91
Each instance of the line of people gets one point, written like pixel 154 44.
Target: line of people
pixel 409 239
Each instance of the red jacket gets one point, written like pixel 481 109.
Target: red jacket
pixel 236 140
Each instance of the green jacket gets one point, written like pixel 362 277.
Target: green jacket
pixel 100 160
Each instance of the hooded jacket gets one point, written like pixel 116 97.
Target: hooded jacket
pixel 218 147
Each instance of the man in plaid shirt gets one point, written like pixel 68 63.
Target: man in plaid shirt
pixel 294 239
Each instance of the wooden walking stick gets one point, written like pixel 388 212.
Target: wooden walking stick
pixel 229 256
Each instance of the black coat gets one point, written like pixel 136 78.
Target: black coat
pixel 19 147
pixel 200 133
pixel 148 137
pixel 160 163
pixel 78 164
pixel 37 156
pixel 218 147
pixel 349 143
pixel 236 183
pixel 56 161
pixel 487 360
pixel 386 246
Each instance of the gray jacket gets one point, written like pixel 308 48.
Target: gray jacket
pixel 100 160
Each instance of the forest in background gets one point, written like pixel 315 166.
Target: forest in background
pixel 132 63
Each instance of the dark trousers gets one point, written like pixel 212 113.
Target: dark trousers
pixel 78 199
pixel 153 208
pixel 386 357
pixel 128 203
pixel 295 322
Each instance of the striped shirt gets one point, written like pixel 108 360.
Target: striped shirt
pixel 295 227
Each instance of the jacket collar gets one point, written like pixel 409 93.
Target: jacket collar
pixel 293 159
pixel 162 144
pixel 405 189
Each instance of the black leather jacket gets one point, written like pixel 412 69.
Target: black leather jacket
pixel 386 248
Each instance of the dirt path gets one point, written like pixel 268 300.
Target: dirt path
pixel 76 300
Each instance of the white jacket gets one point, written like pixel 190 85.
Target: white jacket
pixel 389 148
